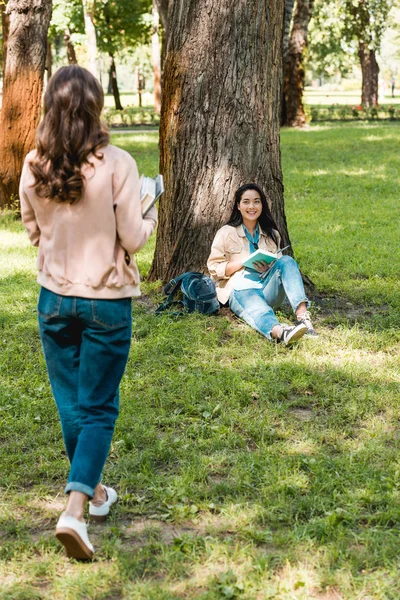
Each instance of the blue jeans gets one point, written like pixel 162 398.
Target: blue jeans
pixel 86 345
pixel 255 305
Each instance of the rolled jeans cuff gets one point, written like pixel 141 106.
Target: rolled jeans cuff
pixel 306 301
pixel 75 486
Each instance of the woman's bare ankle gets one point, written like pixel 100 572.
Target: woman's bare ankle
pixel 276 331
pixel 76 505
pixel 100 495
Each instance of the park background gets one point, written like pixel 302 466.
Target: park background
pixel 245 470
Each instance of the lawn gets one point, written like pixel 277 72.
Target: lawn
pixel 321 96
pixel 245 470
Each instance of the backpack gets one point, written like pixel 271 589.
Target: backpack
pixel 198 291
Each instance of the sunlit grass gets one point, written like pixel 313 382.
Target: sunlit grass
pixel 244 470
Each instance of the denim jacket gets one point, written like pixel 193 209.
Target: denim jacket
pixel 230 243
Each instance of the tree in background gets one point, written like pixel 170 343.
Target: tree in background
pixel 89 18
pixel 294 115
pixel 67 24
pixel 5 26
pixel 22 89
pixel 329 52
pixel 162 7
pixel 121 24
pixel 156 58
pixel 289 6
pixel 366 21
pixel 219 122
pixel 345 29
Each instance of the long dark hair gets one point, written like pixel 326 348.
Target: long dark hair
pixel 70 130
pixel 265 220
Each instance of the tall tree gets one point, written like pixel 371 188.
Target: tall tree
pixel 5 26
pixel 156 59
pixel 366 21
pixel 121 25
pixel 294 69
pixel 349 28
pixel 49 61
pixel 22 89
pixel 71 54
pixel 67 23
pixel 328 50
pixel 88 13
pixel 289 6
pixel 162 7
pixel 219 122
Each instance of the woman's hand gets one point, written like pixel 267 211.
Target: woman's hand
pixel 261 266
pixel 232 267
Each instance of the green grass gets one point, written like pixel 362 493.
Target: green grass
pixel 130 99
pixel 244 470
pixel 316 96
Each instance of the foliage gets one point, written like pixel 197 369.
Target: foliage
pixel 343 112
pixel 245 470
pixel 339 25
pixel 366 20
pixel 122 23
pixel 328 51
pixel 68 16
pixel 130 116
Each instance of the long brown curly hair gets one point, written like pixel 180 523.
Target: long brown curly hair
pixel 70 131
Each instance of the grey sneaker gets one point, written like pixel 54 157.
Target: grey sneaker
pixel 292 333
pixel 305 318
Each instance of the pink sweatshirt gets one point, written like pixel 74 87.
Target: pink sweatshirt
pixel 82 246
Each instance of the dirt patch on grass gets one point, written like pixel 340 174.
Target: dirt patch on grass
pixel 328 595
pixel 329 306
pixel 302 414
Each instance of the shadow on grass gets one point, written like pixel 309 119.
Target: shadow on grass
pixel 229 452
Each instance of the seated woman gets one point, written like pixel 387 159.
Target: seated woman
pixel 253 294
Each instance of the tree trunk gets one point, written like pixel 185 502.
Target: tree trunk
pixel 49 61
pixel 219 123
pixel 370 75
pixel 155 46
pixel 71 56
pixel 289 5
pixel 294 72
pixel 22 89
pixel 109 84
pixel 5 26
pixel 114 83
pixel 88 13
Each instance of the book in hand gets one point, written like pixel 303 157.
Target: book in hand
pixel 150 192
pixel 264 256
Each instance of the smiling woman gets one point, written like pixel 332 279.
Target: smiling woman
pixel 254 293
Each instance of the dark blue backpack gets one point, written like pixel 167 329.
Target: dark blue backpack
pixel 198 294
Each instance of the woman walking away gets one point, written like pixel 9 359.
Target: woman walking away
pixel 80 204
pixel 254 293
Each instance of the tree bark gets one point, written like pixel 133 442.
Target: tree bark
pixel 114 83
pixel 294 71
pixel 71 55
pixel 88 13
pixel 219 123
pixel 289 6
pixel 22 89
pixel 370 75
pixel 5 26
